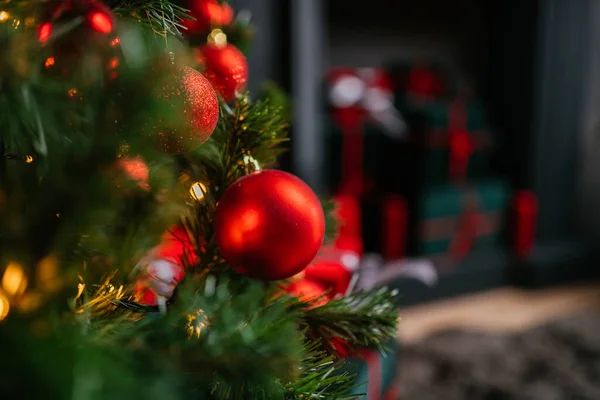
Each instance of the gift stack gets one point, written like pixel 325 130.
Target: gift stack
pixel 415 151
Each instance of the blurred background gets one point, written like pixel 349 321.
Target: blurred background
pixel 460 139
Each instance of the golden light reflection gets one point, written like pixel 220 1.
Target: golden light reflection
pixel 4 306
pixel 28 159
pixel 14 281
pixel 47 274
pixel 30 302
pixel 197 191
pixel 196 324
pixel 218 38
pixel 3 16
pixel 251 161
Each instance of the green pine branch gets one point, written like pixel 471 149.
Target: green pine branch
pixel 164 17
pixel 322 376
pixel 365 319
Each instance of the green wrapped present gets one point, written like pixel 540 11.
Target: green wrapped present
pixel 375 372
pixel 450 221
pixel 451 141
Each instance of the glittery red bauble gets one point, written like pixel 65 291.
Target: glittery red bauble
pixel 191 97
pixel 269 225
pixel 208 13
pixel 226 68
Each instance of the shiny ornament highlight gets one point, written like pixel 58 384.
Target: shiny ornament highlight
pixel 269 225
pixel 190 96
pixel 226 68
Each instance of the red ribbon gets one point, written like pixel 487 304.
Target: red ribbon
pixel 351 119
pixel 460 143
pixel 373 360
pixel 525 207
pixel 348 214
pixel 392 393
pixel 395 217
pixel 463 240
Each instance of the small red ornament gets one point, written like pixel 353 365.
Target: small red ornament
pixel 269 225
pixel 199 106
pixel 226 68
pixel 208 13
pixel 136 169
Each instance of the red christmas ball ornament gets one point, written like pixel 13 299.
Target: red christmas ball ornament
pixel 269 225
pixel 225 67
pixel 208 13
pixel 190 94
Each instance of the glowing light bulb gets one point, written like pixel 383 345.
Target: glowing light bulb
pixel 14 280
pixel 50 61
pixel 218 38
pixel 101 22
pixel 197 191
pixel 4 306
pixel 44 32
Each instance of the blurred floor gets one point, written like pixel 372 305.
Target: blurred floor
pixel 505 344
pixel 500 310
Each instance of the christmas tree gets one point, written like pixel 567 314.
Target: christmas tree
pixel 147 247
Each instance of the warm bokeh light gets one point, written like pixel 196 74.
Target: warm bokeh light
pixel 14 281
pixel 47 274
pixel 3 16
pixel 72 92
pixel 115 42
pixel 50 61
pixel 28 159
pixel 114 63
pixel 197 191
pixel 101 22
pixel 196 324
pixel 44 32
pixel 249 160
pixel 4 306
pixel 218 38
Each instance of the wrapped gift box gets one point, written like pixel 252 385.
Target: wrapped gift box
pixel 449 221
pixel 375 372
pixel 449 142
